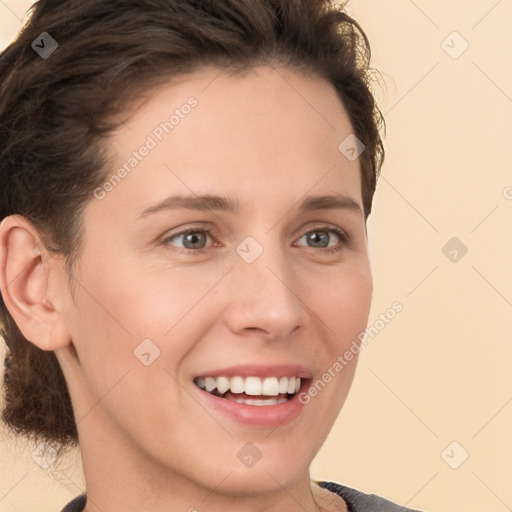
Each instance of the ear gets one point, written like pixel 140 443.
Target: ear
pixel 24 280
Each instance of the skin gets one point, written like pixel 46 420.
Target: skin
pixel 266 138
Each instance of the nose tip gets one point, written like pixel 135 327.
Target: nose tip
pixel 264 303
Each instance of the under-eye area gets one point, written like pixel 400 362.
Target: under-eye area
pixel 253 390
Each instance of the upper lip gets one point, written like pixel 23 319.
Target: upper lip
pixel 260 370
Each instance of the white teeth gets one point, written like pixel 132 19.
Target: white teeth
pixel 222 384
pixel 210 383
pixel 237 385
pixel 254 386
pixel 268 401
pixel 270 386
pixel 291 385
pixel 283 385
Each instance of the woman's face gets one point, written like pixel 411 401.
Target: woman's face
pixel 210 257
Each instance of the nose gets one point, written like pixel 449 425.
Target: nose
pixel 266 299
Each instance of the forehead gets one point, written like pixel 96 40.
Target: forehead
pixel 265 131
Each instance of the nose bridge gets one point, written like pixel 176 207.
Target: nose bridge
pixel 266 295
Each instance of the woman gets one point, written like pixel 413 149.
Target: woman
pixel 183 247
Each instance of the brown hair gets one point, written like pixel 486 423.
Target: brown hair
pixel 56 113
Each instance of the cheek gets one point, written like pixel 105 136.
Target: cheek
pixel 118 308
pixel 344 305
pixel 141 299
pixel 115 314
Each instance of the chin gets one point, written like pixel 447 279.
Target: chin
pixel 260 480
pixel 265 466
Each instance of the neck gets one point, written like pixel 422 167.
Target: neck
pixel 117 479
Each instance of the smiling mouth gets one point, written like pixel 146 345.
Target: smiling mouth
pixel 251 390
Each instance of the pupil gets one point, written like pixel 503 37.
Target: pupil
pixel 194 239
pixel 322 239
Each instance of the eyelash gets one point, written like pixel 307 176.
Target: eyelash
pixel 331 250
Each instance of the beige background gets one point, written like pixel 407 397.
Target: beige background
pixel 440 371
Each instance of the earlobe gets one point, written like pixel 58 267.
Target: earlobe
pixel 24 274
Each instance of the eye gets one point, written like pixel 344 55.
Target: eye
pixel 325 238
pixel 191 240
pixel 195 241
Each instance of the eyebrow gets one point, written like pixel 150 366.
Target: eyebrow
pixel 229 204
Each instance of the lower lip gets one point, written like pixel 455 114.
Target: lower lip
pixel 257 415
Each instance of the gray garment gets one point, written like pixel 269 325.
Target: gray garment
pixel 76 505
pixel 358 501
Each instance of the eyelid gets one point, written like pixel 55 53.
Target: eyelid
pixel 326 226
pixel 206 227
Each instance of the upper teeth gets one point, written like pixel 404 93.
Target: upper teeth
pixel 270 386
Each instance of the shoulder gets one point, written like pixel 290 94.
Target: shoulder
pixel 358 501
pixel 76 505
